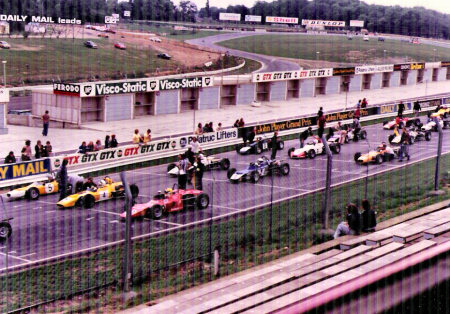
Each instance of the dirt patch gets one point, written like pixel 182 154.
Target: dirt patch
pixel 27 48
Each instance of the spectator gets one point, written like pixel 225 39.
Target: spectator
pixel 369 220
pixel 321 122
pixel 356 126
pixel 236 124
pixel 76 182
pixel 62 174
pixel 189 154
pixel 147 136
pixel 357 114
pixel 137 137
pixel 198 173
pixel 113 143
pixel 38 150
pixel 401 108
pixel 364 103
pixel 219 127
pixel 342 132
pixel 404 149
pixel 90 147
pixel 352 223
pixel 429 118
pixel 417 108
pixel 24 156
pixel 358 105
pixel 49 149
pixel 199 130
pixel 183 165
pixel 205 128
pixel 251 135
pixel 83 148
pixel 195 145
pixel 274 143
pixel 304 136
pixel 45 122
pixel 10 158
pixel 97 145
pixel 320 112
pixel 211 128
pixel 89 184
pixel 241 123
pixel 27 150
pixel 107 141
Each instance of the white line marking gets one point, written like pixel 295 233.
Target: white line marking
pixel 3 247
pixel 169 223
pixel 27 255
pixel 225 207
pixel 12 252
pixel 113 221
pixel 46 202
pixel 106 212
pixel 282 187
pixel 16 257
pixel 50 211
pixel 89 219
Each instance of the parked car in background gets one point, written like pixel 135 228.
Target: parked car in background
pixel 109 30
pixel 164 56
pixel 155 39
pixel 90 44
pixel 103 35
pixel 4 45
pixel 120 46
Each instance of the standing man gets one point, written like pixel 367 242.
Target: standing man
pixel 63 179
pixel 404 150
pixel 401 108
pixel 46 122
pixel 198 173
pixel 417 108
pixel 304 136
pixel 321 122
pixel 320 112
pixel 183 165
pixel 274 143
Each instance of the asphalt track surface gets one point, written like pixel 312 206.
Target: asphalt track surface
pixel 41 231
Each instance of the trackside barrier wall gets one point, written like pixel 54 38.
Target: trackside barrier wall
pixel 24 169
pixel 170 147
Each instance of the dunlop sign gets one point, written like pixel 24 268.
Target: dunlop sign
pixel 24 169
pixel 190 82
pixel 324 23
pixel 275 76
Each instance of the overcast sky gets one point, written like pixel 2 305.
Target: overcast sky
pixel 438 5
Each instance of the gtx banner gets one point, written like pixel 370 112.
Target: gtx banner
pixel 152 148
pixel 253 18
pixel 356 23
pixel 223 16
pixel 374 69
pixel 281 20
pixel 275 76
pixel 188 82
pixel 315 73
pixel 323 23
pixel 24 169
pixel 66 89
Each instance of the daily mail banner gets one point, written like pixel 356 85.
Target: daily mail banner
pixel 24 169
pixel 281 20
pixel 275 76
pixel 374 69
pixel 223 16
pixel 152 148
pixel 323 23
pixel 304 74
pixel 253 18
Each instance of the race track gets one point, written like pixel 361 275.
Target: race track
pixel 41 231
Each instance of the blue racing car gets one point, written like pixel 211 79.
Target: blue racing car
pixel 255 170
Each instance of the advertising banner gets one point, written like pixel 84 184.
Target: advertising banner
pixel 110 20
pixel 446 101
pixel 349 114
pixel 356 23
pixel 432 65
pixel 152 148
pixel 343 71
pixel 281 20
pixel 4 95
pixel 188 82
pixel 66 89
pixel 275 76
pixel 304 74
pixel 223 16
pixel 392 108
pixel 445 64
pixel 323 23
pixel 118 88
pixel 430 103
pixel 409 66
pixel 127 13
pixel 24 169
pixel 253 18
pixel 374 69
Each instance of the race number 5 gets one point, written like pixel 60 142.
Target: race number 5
pixel 49 188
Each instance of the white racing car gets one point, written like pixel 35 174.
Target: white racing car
pixel 431 126
pixel 210 163
pixel 312 148
pixel 415 134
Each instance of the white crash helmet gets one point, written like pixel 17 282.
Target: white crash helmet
pixel 102 183
pixel 260 160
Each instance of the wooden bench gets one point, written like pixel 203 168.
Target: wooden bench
pixel 436 231
pixel 414 231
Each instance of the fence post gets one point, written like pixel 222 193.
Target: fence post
pixel 438 159
pixel 326 200
pixel 127 257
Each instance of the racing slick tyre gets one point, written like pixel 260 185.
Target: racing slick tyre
pixel 225 164
pixel 170 167
pixel 258 149
pixel 336 148
pixel 134 190
pixel 284 169
pixel 202 201
pixel 230 173
pixel 379 159
pixel 5 230
pixel 428 136
pixel 391 138
pixel 88 201
pixel 157 212
pixel 238 148
pixel 280 145
pixel 363 134
pixel 290 151
pixel 356 157
pixel 312 154
pixel 32 194
pixel 409 123
pixel 255 177
pixel 79 202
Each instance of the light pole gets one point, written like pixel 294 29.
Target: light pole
pixel 317 55
pixel 384 56
pixel 4 73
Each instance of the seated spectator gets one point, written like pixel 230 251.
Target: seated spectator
pixel 199 129
pixel 352 223
pixel 49 149
pixel 83 148
pixel 206 128
pixel 147 136
pixel 137 138
pixel 27 149
pixel 38 150
pixel 236 124
pixel 211 128
pixel 24 156
pixel 97 145
pixel 369 220
pixel 90 147
pixel 219 127
pixel 113 143
pixel 106 141
pixel 364 103
pixel 10 158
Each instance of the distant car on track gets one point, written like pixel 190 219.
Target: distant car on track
pixel 389 125
pixel 210 163
pixel 164 56
pixel 255 170
pixel 90 44
pixel 111 31
pixel 313 148
pixel 4 45
pixel 443 112
pixel 257 147
pixel 155 39
pixel 172 200
pixel 378 156
pixel 380 38
pixel 415 134
pixel 120 46
pixel 431 125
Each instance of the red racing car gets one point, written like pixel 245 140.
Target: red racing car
pixel 171 200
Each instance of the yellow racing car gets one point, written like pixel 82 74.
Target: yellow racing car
pixel 105 191
pixel 34 190
pixel 443 112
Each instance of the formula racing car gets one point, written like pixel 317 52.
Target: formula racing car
pixel 415 134
pixel 443 112
pixel 257 147
pixel 255 170
pixel 210 163
pixel 381 154
pixel 34 190
pixel 389 125
pixel 313 148
pixel 171 200
pixel 107 190
pixel 431 125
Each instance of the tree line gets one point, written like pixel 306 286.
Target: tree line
pixel 416 21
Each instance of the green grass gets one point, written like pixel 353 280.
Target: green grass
pixel 169 32
pixel 338 48
pixel 69 60
pixel 176 261
pixel 249 67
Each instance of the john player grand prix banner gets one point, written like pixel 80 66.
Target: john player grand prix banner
pixel 152 148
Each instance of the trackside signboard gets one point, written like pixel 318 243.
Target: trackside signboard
pixel 253 18
pixel 152 148
pixel 24 169
pixel 4 95
pixel 304 74
pixel 66 89
pixel 323 23
pixel 374 69
pixel 275 76
pixel 223 16
pixel 281 20
pixel 189 82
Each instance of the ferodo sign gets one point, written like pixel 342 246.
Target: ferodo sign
pixel 66 89
pixel 409 66
pixel 191 82
pixel 24 169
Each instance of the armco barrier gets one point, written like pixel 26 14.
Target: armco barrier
pixel 87 167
